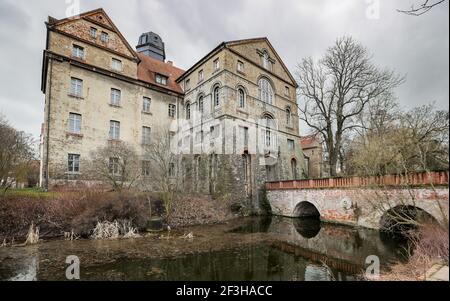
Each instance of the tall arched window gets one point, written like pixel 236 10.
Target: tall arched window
pixel 288 116
pixel 294 169
pixel 188 110
pixel 200 104
pixel 241 98
pixel 265 90
pixel 216 96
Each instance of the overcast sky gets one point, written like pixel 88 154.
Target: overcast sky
pixel 417 47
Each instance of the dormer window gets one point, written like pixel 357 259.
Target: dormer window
pixel 104 37
pixel 161 79
pixel 93 32
pixel 78 52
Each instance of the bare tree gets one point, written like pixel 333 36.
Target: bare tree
pixel 162 161
pixel 336 90
pixel 116 164
pixel 16 154
pixel 424 7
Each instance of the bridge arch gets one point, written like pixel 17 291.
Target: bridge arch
pixel 403 218
pixel 306 209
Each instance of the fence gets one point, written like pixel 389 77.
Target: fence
pixel 412 179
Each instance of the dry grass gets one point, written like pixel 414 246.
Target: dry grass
pixel 114 230
pixel 33 235
pixel 430 245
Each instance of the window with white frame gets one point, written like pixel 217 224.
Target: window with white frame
pixel 76 87
pixel 267 138
pixel 265 91
pixel 104 37
pixel 201 76
pixel 216 96
pixel 146 104
pixel 161 79
pixel 114 130
pixel 78 52
pixel 288 116
pixel 241 98
pixel 291 144
pixel 73 163
pixel 93 32
pixel 172 110
pixel 216 64
pixel 146 135
pixel 116 64
pixel 115 97
pixel 188 110
pixel 114 166
pixel 200 104
pixel 74 123
pixel 146 167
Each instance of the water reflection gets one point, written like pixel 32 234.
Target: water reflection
pixel 307 227
pixel 264 248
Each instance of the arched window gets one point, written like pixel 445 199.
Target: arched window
pixel 288 116
pixel 200 104
pixel 216 96
pixel 241 98
pixel 265 90
pixel 294 169
pixel 188 110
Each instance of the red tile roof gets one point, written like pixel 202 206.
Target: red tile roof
pixel 309 141
pixel 149 67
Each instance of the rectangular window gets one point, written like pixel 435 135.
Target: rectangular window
pixel 201 76
pixel 146 104
pixel 73 163
pixel 245 133
pixel 291 144
pixel 172 110
pixel 93 32
pixel 115 97
pixel 267 139
pixel 116 64
pixel 114 166
pixel 74 123
pixel 114 130
pixel 171 170
pixel 146 135
pixel 146 168
pixel 76 87
pixel 214 131
pixel 161 79
pixel 78 52
pixel 216 64
pixel 240 66
pixel 104 37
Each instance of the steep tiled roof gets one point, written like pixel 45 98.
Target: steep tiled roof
pixel 310 141
pixel 149 67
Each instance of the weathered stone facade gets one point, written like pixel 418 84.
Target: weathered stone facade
pixel 229 144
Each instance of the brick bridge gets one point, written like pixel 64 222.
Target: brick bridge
pixel 361 201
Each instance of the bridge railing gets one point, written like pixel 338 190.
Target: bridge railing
pixel 412 179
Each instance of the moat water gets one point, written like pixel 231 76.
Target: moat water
pixel 243 249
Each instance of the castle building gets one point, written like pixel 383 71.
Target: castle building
pixel 234 111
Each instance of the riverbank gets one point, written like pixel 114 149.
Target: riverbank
pixel 76 213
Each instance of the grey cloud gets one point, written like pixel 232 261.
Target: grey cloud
pixel 415 46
